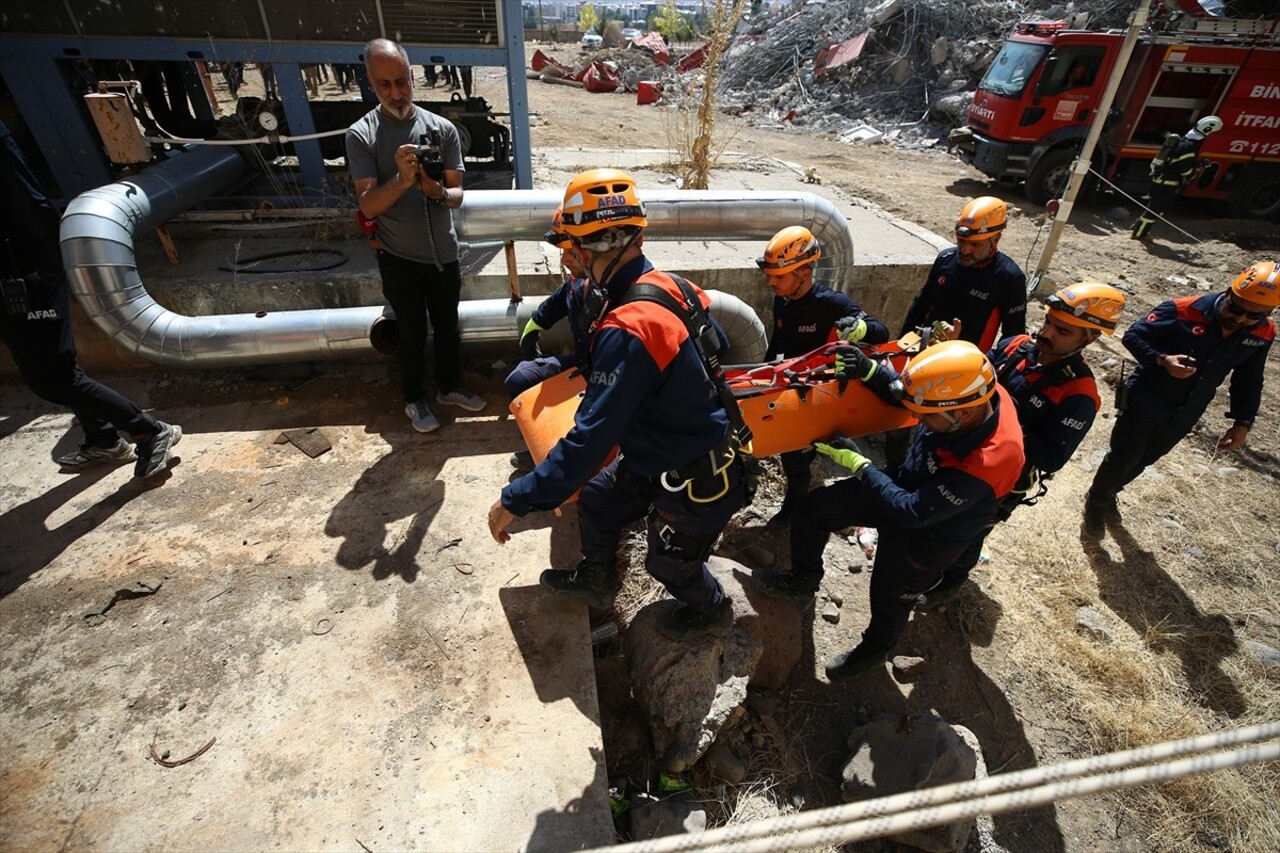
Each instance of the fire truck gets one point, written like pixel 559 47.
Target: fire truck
pixel 1033 108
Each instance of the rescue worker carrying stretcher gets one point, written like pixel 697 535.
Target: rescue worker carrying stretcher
pixel 652 390
pixel 964 457
pixel 806 315
pixel 973 293
pixel 1055 395
pixel 566 301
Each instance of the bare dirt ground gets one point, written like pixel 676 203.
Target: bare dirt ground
pixel 1184 585
pixel 323 661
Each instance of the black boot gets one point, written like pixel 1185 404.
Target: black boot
pixel 947 590
pixel 685 623
pixel 798 588
pixel 594 583
pixel 853 663
pixel 522 461
pixel 1098 513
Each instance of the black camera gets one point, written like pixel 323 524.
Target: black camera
pixel 429 156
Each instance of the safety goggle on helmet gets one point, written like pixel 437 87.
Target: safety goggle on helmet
pixel 1088 305
pixel 982 219
pixel 557 236
pixel 1259 283
pixel 791 248
pixel 600 199
pixel 946 376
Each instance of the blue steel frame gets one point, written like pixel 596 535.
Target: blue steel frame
pixel 70 142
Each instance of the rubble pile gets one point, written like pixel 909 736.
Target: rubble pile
pixel 905 67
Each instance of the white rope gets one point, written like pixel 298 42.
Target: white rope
pixel 1143 206
pixel 1002 792
pixel 261 140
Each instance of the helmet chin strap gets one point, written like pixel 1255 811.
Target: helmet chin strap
pixel 609 242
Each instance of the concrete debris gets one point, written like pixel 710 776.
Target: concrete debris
pixel 312 441
pixel 1093 624
pixel 1268 657
pixel 907 668
pixel 909 65
pixel 897 755
pixel 831 613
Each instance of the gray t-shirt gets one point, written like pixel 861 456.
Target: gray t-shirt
pixel 403 228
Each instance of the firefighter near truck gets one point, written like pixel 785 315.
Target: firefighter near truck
pixel 1033 108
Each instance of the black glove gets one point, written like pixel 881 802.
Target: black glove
pixel 853 363
pixel 529 348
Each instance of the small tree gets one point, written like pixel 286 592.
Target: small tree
pixel 587 17
pixel 696 157
pixel 669 23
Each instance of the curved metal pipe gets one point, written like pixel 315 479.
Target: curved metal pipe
pixel 97 239
pixel 678 215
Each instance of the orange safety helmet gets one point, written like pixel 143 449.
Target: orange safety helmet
pixel 556 236
pixel 598 199
pixel 791 248
pixel 1089 305
pixel 949 375
pixel 1259 283
pixel 982 219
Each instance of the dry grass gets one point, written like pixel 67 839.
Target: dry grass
pixel 1176 666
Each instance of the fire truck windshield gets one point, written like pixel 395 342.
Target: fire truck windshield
pixel 1012 69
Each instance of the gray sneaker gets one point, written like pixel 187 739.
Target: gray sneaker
pixel 87 456
pixel 462 398
pixel 424 420
pixel 154 453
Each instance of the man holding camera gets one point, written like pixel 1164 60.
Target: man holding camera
pixel 406 165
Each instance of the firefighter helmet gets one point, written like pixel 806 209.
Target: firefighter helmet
pixel 1089 305
pixel 557 236
pixel 982 219
pixel 949 375
pixel 1209 124
pixel 791 248
pixel 599 199
pixel 1259 283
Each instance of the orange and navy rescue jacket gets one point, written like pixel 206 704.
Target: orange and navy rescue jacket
pixel 950 487
pixel 1056 403
pixel 647 393
pixel 987 299
pixel 1188 326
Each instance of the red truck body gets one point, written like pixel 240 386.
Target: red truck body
pixel 1034 106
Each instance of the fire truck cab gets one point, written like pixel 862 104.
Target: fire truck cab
pixel 1033 108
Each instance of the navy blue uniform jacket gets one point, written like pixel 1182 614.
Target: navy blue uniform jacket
pixel 949 487
pixel 647 393
pixel 987 298
pixel 565 302
pixel 1187 326
pixel 802 325
pixel 1056 405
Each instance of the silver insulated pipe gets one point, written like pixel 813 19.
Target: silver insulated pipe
pixel 97 239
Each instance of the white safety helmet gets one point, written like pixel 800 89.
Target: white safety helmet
pixel 1209 124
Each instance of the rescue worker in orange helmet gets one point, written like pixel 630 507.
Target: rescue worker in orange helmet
pixel 964 457
pixel 973 292
pixel 566 301
pixel 975 283
pixel 649 392
pixel 806 315
pixel 1054 393
pixel 1185 348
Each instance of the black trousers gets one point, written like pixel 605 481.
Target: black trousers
pixel 421 294
pixel 45 353
pixel 908 562
pixel 682 530
pixel 1137 440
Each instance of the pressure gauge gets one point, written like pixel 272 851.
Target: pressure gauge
pixel 268 121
